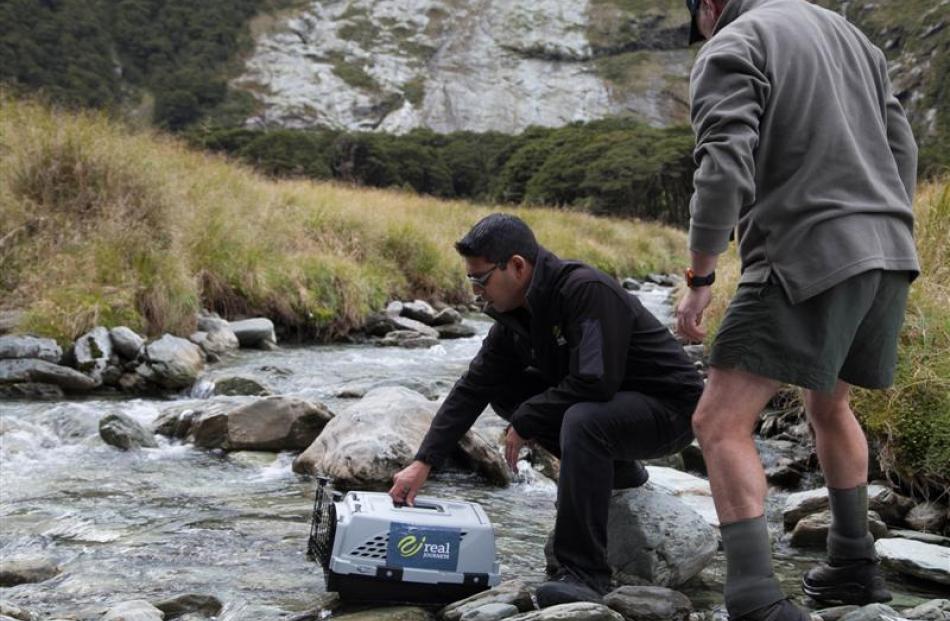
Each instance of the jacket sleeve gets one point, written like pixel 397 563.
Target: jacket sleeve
pixel 598 328
pixel 728 94
pixel 900 138
pixel 495 364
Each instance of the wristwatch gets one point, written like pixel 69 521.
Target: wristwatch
pixel 693 281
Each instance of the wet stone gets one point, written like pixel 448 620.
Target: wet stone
pixel 835 613
pixel 26 571
pixel 240 386
pixel 124 432
pixel 580 611
pixel 31 390
pixel 393 613
pixel 934 610
pixel 649 603
pixel 921 560
pixel 812 530
pixel 134 610
pixel 872 612
pixel 190 603
pixel 491 612
pixel 12 611
pixel 511 592
pixel 456 331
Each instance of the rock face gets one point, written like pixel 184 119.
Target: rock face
pixel 40 371
pixel 12 347
pixel 395 65
pixel 649 603
pixel 378 435
pixel 123 432
pixel 922 560
pixel 269 424
pixel 173 362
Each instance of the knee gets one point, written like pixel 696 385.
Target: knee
pixel 710 428
pixel 577 426
pixel 828 414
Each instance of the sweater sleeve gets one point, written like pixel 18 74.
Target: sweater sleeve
pixel 494 366
pixel 900 138
pixel 728 94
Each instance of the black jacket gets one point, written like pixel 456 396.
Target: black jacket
pixel 587 337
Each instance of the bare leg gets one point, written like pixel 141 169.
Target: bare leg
pixel 723 423
pixel 839 440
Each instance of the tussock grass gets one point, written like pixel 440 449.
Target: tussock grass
pixel 910 423
pixel 101 225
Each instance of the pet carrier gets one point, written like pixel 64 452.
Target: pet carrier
pixel 436 551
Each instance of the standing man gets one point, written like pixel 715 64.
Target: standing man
pixel 803 150
pixel 576 364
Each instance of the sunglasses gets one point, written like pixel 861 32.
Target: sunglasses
pixel 482 279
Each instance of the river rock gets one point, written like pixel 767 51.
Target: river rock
pixel 929 516
pixel 210 323
pixel 922 560
pixel 375 437
pixel 43 372
pixel 408 339
pixel 276 424
pixel 134 610
pixel 491 612
pixel 205 605
pixel 934 610
pixel 394 308
pixel 872 612
pixel 173 362
pixel 257 333
pixel 784 473
pixel 578 611
pixel 447 316
pixel 891 506
pixel 124 432
pixel 126 342
pixel 655 537
pixel 236 385
pixel 456 331
pixel 510 592
pixel 649 603
pixel 631 284
pixel 92 352
pixel 391 613
pixel 914 535
pixel 32 391
pixel 420 311
pixel 179 421
pixel 26 571
pixel 692 490
pixel 812 530
pixel 217 342
pixel 12 611
pixel 834 613
pixel 16 346
pixel 693 459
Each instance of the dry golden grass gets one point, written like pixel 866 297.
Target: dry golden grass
pixel 104 225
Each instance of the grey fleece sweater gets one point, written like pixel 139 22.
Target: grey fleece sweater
pixel 801 147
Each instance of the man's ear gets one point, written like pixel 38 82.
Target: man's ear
pixel 519 264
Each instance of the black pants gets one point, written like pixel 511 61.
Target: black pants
pixel 588 439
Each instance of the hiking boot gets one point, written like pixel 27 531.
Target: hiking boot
pixel 565 588
pixel 855 583
pixel 629 474
pixel 782 610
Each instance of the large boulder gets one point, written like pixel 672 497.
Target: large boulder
pixel 92 352
pixel 379 435
pixel 238 385
pixel 649 603
pixel 126 342
pixel 692 490
pixel 173 362
pixel 654 538
pixel 257 333
pixel 124 432
pixel 419 310
pixel 217 342
pixel 269 424
pixel 922 560
pixel 447 316
pixel 40 371
pixel 456 331
pixel 14 346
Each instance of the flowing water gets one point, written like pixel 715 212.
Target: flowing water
pixel 154 523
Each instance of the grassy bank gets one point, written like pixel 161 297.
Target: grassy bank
pixel 99 225
pixel 910 424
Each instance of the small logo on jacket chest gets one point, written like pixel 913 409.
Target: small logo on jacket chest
pixel 559 336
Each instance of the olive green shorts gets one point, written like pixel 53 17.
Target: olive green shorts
pixel 849 332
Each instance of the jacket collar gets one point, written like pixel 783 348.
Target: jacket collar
pixel 546 268
pixel 733 10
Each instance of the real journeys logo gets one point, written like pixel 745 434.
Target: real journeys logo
pixel 423 547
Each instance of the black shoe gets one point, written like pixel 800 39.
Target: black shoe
pixel 856 583
pixel 565 588
pixel 629 474
pixel 782 610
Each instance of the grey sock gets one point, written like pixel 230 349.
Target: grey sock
pixel 848 537
pixel 750 582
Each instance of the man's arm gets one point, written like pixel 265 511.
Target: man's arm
pixel 900 138
pixel 689 312
pixel 728 93
pixel 599 325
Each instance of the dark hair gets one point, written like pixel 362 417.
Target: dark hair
pixel 497 238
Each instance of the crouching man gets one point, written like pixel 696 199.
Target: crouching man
pixel 577 365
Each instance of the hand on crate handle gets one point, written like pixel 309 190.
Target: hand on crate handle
pixel 408 481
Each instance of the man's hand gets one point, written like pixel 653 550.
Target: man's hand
pixel 689 313
pixel 513 444
pixel 408 481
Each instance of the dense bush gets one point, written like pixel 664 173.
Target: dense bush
pixel 617 167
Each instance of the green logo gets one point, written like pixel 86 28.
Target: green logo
pixel 410 545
